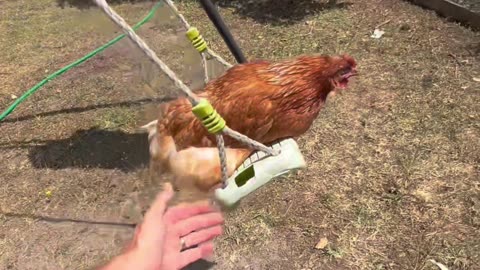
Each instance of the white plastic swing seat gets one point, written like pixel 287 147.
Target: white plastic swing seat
pixel 258 170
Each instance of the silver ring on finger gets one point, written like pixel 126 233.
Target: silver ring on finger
pixel 183 245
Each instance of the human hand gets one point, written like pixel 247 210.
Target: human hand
pixel 166 238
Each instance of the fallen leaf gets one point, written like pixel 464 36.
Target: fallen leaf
pixel 377 33
pixel 423 195
pixel 441 266
pixel 322 243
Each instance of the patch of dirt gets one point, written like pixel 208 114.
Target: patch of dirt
pixel 393 163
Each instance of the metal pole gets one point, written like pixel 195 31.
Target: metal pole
pixel 217 20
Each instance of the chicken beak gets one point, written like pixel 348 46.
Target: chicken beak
pixel 355 72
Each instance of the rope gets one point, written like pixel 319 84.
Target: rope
pixel 219 59
pixel 190 95
pixel 249 142
pixel 178 14
pixel 205 67
pixel 76 63
pixel 223 159
pixel 188 26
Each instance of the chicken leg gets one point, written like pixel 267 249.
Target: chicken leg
pixel 197 165
pixel 201 166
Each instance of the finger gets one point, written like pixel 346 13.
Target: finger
pixel 196 238
pixel 191 255
pixel 182 212
pixel 198 222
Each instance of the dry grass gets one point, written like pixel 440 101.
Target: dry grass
pixel 393 176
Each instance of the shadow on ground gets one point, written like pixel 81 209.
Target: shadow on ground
pixel 281 12
pixel 84 4
pixel 93 148
pixel 200 265
pixel 123 104
pixel 276 12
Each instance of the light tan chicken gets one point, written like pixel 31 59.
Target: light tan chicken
pixel 263 100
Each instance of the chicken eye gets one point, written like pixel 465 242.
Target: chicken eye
pixel 345 71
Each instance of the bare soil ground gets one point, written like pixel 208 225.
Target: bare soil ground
pixel 393 178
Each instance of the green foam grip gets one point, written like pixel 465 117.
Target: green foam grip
pixel 197 40
pixel 210 119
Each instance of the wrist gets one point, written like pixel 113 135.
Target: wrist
pixel 131 260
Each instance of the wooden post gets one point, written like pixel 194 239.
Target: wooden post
pixel 452 10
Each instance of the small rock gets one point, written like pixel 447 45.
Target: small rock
pixel 476 79
pixel 377 33
pixel 13 96
pixel 322 243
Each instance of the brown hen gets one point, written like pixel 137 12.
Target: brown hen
pixel 262 100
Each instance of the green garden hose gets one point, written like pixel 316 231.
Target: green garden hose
pixel 59 72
